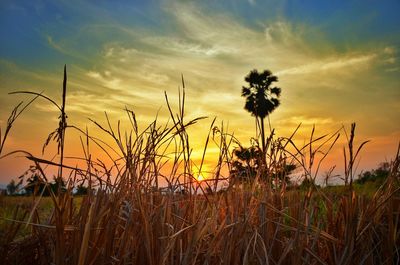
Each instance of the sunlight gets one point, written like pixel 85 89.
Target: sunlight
pixel 200 177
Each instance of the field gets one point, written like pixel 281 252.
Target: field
pixel 258 218
pixel 234 227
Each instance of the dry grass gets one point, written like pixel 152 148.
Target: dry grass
pixel 130 220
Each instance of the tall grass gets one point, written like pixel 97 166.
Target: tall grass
pixel 128 217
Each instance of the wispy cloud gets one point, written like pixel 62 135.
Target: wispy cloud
pixel 106 79
pixel 332 64
pixel 54 45
pixel 252 2
pixel 307 120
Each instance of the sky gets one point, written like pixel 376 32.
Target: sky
pixel 337 63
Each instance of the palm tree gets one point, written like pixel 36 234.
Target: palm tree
pixel 261 98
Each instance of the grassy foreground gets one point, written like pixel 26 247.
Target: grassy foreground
pixel 235 227
pixel 127 219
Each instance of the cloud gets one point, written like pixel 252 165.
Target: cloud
pixel 54 45
pixel 307 120
pixel 283 33
pixel 395 69
pixel 389 50
pixel 215 32
pixel 15 69
pixel 62 48
pixel 179 45
pixel 94 75
pixel 331 64
pixel 106 79
pixel 390 60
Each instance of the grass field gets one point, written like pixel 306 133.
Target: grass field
pixel 18 208
pixel 235 227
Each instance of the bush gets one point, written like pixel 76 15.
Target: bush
pixel 376 175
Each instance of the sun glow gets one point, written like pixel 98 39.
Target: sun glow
pixel 200 177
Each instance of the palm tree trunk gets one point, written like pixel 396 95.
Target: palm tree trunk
pixel 263 141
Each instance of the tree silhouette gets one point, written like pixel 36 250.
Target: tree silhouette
pixel 376 175
pixel 246 165
pixel 12 187
pixel 81 190
pixel 261 98
pixel 35 185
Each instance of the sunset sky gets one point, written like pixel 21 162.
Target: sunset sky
pixel 337 63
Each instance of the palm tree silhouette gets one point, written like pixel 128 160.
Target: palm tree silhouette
pixel 261 98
